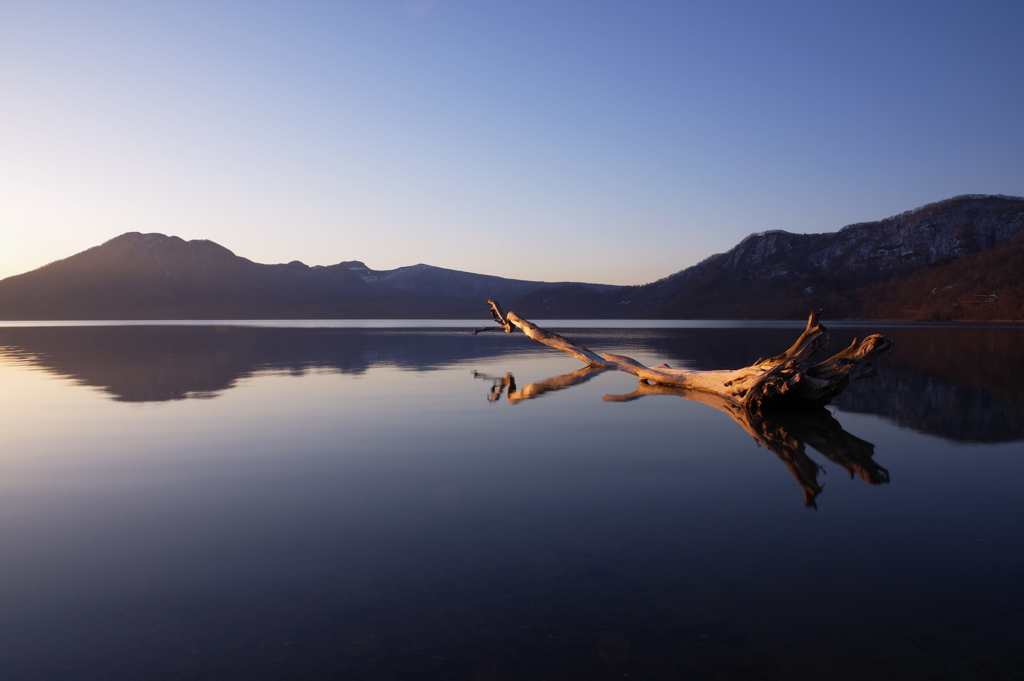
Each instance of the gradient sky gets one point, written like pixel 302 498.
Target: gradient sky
pixel 611 141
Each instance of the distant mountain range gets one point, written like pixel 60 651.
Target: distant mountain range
pixel 152 276
pixel 962 258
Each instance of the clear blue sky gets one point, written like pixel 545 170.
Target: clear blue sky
pixel 612 141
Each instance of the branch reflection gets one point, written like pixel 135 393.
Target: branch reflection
pixel 515 395
pixel 786 433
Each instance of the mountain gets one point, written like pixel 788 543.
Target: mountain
pixel 984 285
pixel 960 258
pixel 968 249
pixel 426 281
pixel 152 276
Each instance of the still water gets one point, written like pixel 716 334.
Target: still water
pixel 351 502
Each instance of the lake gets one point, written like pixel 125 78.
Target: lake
pixel 404 500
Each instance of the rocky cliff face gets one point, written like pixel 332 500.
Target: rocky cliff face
pixel 931 234
pixel 934 233
pixel 778 274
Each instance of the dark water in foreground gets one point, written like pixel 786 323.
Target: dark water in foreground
pixel 223 502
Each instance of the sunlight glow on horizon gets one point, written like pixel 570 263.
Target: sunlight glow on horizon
pixel 587 142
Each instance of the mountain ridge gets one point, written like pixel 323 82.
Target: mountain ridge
pixel 777 274
pixel 155 276
pixel 864 270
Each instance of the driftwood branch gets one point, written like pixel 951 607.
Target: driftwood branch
pixel 785 433
pixel 499 317
pixel 791 377
pixel 749 395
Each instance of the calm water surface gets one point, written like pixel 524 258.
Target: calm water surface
pixel 351 502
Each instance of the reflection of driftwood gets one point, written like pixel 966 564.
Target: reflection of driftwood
pixel 790 377
pixel 819 429
pixel 516 395
pixel 498 384
pixel 786 433
pixel 752 396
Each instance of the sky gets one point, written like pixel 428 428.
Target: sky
pixel 586 140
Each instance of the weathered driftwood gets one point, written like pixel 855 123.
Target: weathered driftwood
pixel 792 377
pixel 785 433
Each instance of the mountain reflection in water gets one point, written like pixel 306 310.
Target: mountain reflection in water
pixel 958 383
pixel 425 504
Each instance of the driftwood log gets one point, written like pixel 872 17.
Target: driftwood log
pixel 778 401
pixel 793 378
pixel 787 433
